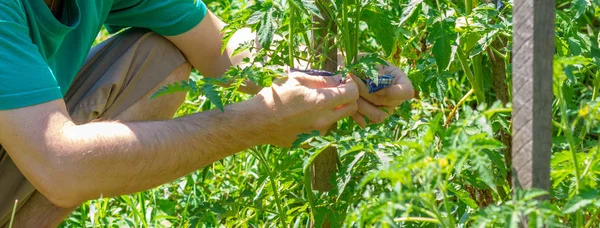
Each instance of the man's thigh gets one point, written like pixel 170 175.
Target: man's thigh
pixel 116 81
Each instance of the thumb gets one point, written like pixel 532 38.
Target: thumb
pixel 342 94
pixel 351 81
pixel 316 81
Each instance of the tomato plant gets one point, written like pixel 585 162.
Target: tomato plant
pixel 441 160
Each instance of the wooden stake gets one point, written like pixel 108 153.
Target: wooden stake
pixel 533 53
pixel 325 165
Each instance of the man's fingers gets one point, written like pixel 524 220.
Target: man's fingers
pixel 343 112
pixel 388 109
pixel 360 120
pixel 362 88
pixel 392 96
pixel 314 82
pixel 371 111
pixel 379 98
pixel 280 81
pixel 394 71
pixel 401 90
pixel 340 95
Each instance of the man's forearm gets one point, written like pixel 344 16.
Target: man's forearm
pixel 111 158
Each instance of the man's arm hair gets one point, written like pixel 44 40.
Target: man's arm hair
pixel 69 164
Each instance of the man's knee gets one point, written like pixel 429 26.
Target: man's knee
pixel 155 45
pixel 162 107
pixel 157 49
pixel 124 72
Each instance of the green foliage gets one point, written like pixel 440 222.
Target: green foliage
pixel 366 67
pixel 421 167
pixel 523 206
pixel 384 32
pixel 442 45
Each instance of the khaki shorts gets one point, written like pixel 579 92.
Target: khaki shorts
pixel 116 74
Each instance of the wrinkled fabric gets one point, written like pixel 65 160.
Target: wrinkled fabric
pixel 383 81
pixel 117 73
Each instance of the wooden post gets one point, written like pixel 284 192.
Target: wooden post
pixel 325 165
pixel 533 53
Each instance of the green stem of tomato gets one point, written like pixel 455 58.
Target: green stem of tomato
pixel 12 216
pixel 589 165
pixel 570 139
pixel 142 200
pixel 356 31
pixel 468 6
pixel 291 34
pixel 476 62
pixel 281 211
pixel 443 188
pixel 568 130
pixel 596 86
pixel 465 65
pixel 346 32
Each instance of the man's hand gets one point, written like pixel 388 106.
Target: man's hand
pixel 381 104
pixel 302 103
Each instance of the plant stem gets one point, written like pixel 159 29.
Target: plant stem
pixel 591 220
pixel 569 134
pixel 356 31
pixel 502 56
pixel 476 62
pixel 417 219
pixel 346 32
pixel 465 65
pixel 291 34
pixel 589 165
pixel 281 212
pixel 498 110
pixel 455 109
pixel 445 200
pixel 596 86
pixel 309 193
pixel 143 206
pixel 468 6
pixel 12 216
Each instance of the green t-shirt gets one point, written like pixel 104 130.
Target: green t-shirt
pixel 40 55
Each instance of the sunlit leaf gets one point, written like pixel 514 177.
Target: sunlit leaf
pixel 442 47
pixel 409 10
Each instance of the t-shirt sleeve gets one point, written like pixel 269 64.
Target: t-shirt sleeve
pixel 25 78
pixel 165 17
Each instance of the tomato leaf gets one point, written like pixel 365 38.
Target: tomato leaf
pixel 379 24
pixel 267 29
pixel 182 86
pixel 409 10
pixel 575 204
pixel 483 43
pixel 580 7
pixel 208 89
pixel 442 44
